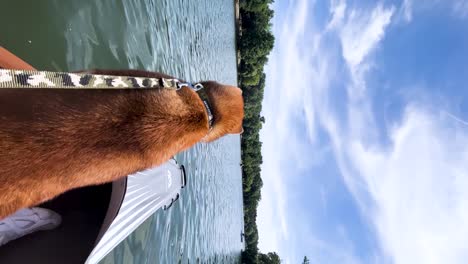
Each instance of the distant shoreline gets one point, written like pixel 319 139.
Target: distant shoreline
pixel 254 42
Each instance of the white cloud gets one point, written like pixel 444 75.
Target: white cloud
pixel 337 12
pixel 419 189
pixel 360 35
pixel 460 8
pixel 292 89
pixel 414 191
pixel 414 194
pixel 272 221
pixel 408 8
pixel 302 59
pixel 362 32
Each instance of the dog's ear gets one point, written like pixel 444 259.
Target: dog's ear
pixel 228 110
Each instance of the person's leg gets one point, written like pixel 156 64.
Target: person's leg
pixel 9 61
pixel 27 221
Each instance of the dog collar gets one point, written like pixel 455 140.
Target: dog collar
pixel 204 97
pixel 198 88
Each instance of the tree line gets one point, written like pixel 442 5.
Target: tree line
pixel 255 42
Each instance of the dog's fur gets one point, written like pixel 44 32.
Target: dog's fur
pixel 54 140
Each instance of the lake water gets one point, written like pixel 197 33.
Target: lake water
pixel 190 39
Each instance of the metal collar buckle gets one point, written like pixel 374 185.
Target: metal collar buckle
pixel 196 87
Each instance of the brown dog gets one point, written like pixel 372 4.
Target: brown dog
pixel 54 140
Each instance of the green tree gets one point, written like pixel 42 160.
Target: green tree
pixel 254 43
pixel 255 5
pixel 306 260
pixel 270 258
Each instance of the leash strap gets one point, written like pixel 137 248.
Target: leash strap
pixel 64 80
pixel 60 80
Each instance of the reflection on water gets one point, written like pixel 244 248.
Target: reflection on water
pixel 191 39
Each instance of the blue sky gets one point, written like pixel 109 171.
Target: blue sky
pixel 366 138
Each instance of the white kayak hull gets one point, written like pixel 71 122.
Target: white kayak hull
pixel 146 192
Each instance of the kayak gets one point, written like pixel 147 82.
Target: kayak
pixel 96 219
pixel 146 192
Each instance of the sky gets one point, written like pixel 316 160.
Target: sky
pixel 365 145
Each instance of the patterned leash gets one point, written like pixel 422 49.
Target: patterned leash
pixel 64 80
pixel 58 80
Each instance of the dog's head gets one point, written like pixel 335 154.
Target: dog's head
pixel 227 105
